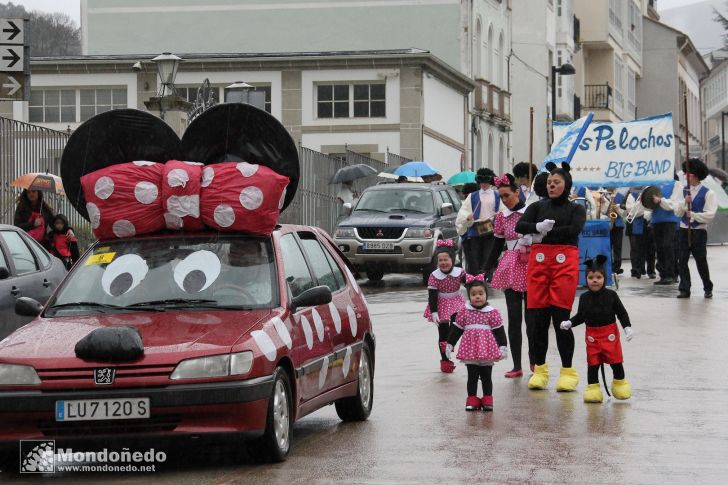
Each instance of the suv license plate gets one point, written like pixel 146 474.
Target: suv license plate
pixel 389 246
pixel 98 409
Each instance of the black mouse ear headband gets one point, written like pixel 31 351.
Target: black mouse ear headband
pixel 596 264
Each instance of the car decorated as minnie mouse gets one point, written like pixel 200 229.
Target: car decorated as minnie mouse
pixel 214 320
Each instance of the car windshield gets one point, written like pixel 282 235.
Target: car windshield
pixel 396 200
pixel 190 272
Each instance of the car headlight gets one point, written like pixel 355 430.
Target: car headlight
pixel 15 374
pixel 419 233
pixel 214 366
pixel 346 232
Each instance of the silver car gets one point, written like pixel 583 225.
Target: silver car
pixel 26 269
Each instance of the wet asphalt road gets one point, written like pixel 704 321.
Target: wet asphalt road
pixel 673 430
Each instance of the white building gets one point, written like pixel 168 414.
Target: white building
pixel 474 36
pixel 407 101
pixel 543 36
pixel 714 96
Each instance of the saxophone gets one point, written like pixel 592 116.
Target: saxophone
pixel 612 211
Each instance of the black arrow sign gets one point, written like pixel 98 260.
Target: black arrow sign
pixel 15 30
pixel 13 57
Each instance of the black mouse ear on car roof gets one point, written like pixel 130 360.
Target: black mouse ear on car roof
pixel 237 131
pixel 111 138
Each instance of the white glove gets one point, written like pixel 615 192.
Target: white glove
pixel 526 240
pixel 565 325
pixel 536 238
pixel 435 317
pixel 504 352
pixel 545 226
pixel 628 333
pixel 448 351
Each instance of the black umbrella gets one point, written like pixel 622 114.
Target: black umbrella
pixel 719 173
pixel 352 172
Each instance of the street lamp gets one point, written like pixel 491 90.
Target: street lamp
pixel 565 69
pixel 242 92
pixel 167 65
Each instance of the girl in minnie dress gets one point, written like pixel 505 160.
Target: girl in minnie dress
pixel 444 296
pixel 510 276
pixel 483 342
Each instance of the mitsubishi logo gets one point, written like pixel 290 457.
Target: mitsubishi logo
pixel 104 376
pixel 380 233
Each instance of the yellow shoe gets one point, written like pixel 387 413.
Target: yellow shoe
pixel 621 389
pixel 568 379
pixel 593 393
pixel 540 377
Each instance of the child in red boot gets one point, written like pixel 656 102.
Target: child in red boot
pixel 444 296
pixel 483 342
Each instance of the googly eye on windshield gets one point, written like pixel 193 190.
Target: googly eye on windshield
pixel 197 271
pixel 124 274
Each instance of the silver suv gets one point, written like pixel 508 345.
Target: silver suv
pixel 394 227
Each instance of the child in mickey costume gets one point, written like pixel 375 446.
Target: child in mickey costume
pixel 483 342
pixel 444 297
pixel 598 308
pixel 553 274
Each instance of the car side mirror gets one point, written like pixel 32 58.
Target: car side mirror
pixel 27 307
pixel 446 209
pixel 347 208
pixel 318 295
pixel 4 273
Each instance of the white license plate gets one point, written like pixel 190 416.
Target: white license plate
pixel 379 245
pixel 98 409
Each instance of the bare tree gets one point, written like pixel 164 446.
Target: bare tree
pixel 51 34
pixel 723 21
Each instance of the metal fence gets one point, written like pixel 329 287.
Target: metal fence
pixel 29 148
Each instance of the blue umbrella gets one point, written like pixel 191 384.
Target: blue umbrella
pixel 415 169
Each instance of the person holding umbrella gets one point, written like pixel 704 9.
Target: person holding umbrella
pixel 346 177
pixel 33 215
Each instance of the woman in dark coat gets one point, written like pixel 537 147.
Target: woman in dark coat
pixel 33 215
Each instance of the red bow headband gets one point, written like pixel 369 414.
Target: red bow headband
pixel 501 181
pixel 470 278
pixel 444 242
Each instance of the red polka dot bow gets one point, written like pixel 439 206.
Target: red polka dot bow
pixel 470 278
pixel 502 180
pixel 444 242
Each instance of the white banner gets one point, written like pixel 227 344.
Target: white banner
pixel 639 152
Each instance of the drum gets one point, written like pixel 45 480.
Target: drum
pixel 484 227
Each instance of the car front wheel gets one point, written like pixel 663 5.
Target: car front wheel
pixel 359 407
pixel 276 440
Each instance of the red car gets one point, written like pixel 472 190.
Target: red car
pixel 241 334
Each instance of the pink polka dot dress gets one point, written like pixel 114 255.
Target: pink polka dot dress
pixel 449 297
pixel 511 271
pixel 478 345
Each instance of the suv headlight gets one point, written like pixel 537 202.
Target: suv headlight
pixel 419 233
pixel 214 366
pixel 15 374
pixel 344 232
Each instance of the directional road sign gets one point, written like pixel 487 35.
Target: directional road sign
pixel 11 31
pixel 12 86
pixel 11 58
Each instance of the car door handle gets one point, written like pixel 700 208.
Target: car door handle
pixel 46 283
pixel 15 291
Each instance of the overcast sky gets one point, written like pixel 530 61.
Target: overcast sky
pixel 72 7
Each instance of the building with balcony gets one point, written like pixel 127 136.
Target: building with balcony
pixel 671 73
pixel 714 97
pixel 544 35
pixel 610 60
pixel 403 101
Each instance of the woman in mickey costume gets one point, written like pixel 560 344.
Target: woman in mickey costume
pixel 553 274
pixel 510 276
pixel 444 297
pixel 599 308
